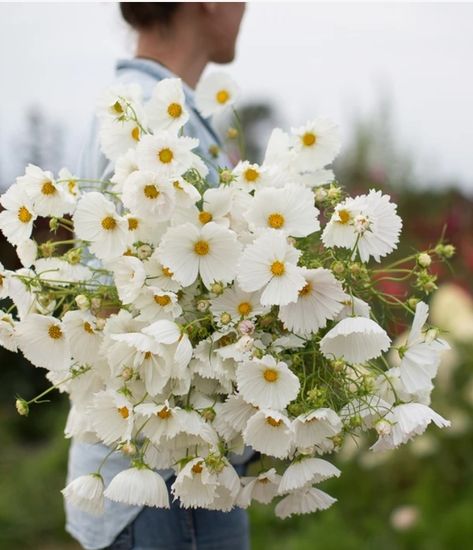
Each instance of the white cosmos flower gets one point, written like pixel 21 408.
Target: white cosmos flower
pixel 83 335
pixel 250 176
pixel 166 109
pixel 16 221
pixel 368 221
pixel 138 486
pixel 420 356
pixel 320 299
pixel 154 303
pixel 69 183
pixel 262 488
pixel 355 339
pixel 43 341
pixel 270 263
pixel 289 209
pixel 238 304
pixel 407 420
pixel 211 252
pixel 214 93
pixel 149 194
pixel 160 275
pixel 316 144
pixel 86 493
pixel 354 307
pixel 97 221
pixel 269 432
pixel 169 155
pixel 317 428
pixel 169 333
pixel 129 276
pixel 215 208
pixel 227 490
pixel 7 332
pixel 49 198
pixel 236 412
pixel 27 252
pixel 115 100
pixel 303 501
pixel 164 421
pixel 124 166
pixel 118 136
pixel 306 471
pixel 195 485
pixel 112 416
pixel 267 383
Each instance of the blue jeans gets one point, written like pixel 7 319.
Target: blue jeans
pixel 185 529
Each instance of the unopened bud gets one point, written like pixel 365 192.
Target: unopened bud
pixel 53 224
pixel 214 151
pixel 95 303
pixel 100 323
pixel 127 373
pixel 246 327
pixel 82 302
pixel 334 193
pixel 431 335
pixel 320 194
pixel 383 427
pixel 22 407
pixel 338 268
pixel 47 249
pixel 226 176
pixel 338 365
pixel 73 256
pixel 208 414
pixel 225 318
pixel 129 448
pixel 232 133
pixel 144 251
pixel 203 305
pixel 412 302
pixel 216 288
pixel 424 260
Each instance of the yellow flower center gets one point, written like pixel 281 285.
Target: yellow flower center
pixel 277 268
pixel 109 223
pixel 309 139
pixel 276 220
pixel 164 414
pixel 48 188
pixel 135 133
pixel 344 216
pixel 167 272
pixel 71 186
pixel 163 300
pixel 124 412
pixel 151 191
pixel 201 248
pixel 55 332
pixel 174 110
pixel 273 422
pixel 88 327
pixel 24 215
pixel 251 174
pixel 197 468
pixel 222 96
pixel 148 355
pixel 205 217
pixel 270 375
pixel 245 308
pixel 117 107
pixel 165 155
pixel 306 289
pixel 132 224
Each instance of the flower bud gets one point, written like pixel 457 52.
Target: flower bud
pixel 338 268
pixel 53 224
pixel 214 151
pixel 129 448
pixel 226 176
pixel 100 323
pixel 320 194
pixel 338 365
pixel 22 407
pixel 334 193
pixel 203 305
pixel 383 427
pixel 424 260
pixel 217 288
pixel 127 373
pixel 431 335
pixel 47 249
pixel 144 251
pixel 412 302
pixel 225 318
pixel 208 414
pixel 82 302
pixel 246 327
pixel 96 302
pixel 232 133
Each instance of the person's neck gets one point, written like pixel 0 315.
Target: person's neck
pixel 180 52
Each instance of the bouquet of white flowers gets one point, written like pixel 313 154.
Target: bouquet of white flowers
pixel 187 321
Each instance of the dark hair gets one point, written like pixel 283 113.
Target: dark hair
pixel 143 15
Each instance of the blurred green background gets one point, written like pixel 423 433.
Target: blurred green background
pixel 419 497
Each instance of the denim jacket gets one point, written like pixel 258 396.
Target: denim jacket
pixel 99 532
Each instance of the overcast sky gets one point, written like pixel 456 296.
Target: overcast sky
pixel 309 59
